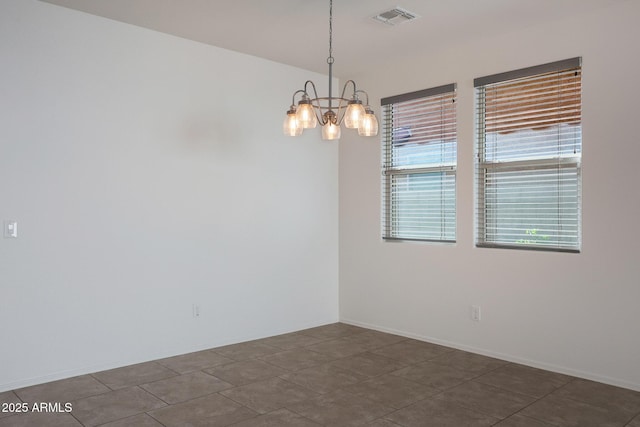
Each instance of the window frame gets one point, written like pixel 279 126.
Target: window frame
pixel 534 163
pixel 390 171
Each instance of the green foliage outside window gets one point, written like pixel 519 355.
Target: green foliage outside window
pixel 533 237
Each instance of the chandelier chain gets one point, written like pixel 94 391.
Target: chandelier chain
pixel 330 58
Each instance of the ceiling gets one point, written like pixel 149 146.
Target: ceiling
pixel 296 32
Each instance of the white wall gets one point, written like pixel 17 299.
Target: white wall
pixel 573 313
pixel 140 189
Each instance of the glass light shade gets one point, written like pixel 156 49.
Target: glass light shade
pixel 306 115
pixel 368 125
pixel 353 115
pixel 330 131
pixel 291 126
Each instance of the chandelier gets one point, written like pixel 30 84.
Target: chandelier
pixel 330 111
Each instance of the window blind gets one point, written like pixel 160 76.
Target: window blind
pixel 528 169
pixel 419 165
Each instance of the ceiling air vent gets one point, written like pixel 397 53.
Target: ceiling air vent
pixel 395 16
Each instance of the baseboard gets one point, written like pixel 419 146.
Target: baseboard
pixel 61 375
pixel 502 356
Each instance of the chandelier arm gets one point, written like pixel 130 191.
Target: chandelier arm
pixel 313 86
pixel 344 88
pixel 340 113
pixel 318 110
pixel 366 95
pixel 293 97
pixel 315 101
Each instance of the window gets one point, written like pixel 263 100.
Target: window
pixel 419 165
pixel 529 144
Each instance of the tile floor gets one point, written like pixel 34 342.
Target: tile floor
pixel 334 375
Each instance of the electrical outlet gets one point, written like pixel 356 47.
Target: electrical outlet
pixel 475 313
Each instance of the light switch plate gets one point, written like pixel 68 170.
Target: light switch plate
pixel 10 229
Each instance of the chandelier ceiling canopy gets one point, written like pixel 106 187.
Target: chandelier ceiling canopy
pixel 330 111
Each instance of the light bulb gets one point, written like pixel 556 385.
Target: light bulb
pixel 330 132
pixel 306 114
pixel 291 126
pixel 353 115
pixel 369 124
pixel 330 128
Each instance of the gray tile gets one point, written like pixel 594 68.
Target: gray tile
pixel 197 361
pixel 564 412
pixel 340 409
pixel 296 359
pixel 278 418
pixel 519 420
pixel 207 411
pixel 439 413
pixel 523 379
pixel 127 376
pixel 338 348
pixel 8 397
pixel 374 339
pixel 291 341
pixel 324 378
pixel 381 422
pixel 245 372
pixel 114 405
pixel 186 387
pixel 334 330
pixel 435 375
pixel 246 350
pixel 140 420
pixel 412 351
pixel 39 419
pixel 635 422
pixel 497 402
pixel 392 391
pixel 602 395
pixel 368 364
pixel 269 395
pixel 470 362
pixel 63 390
